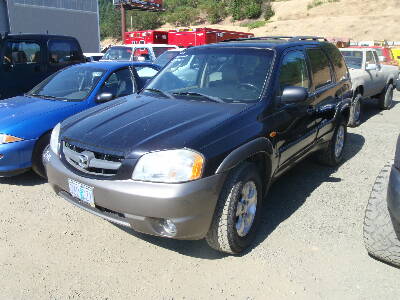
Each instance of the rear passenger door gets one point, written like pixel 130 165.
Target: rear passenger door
pixel 301 131
pixel 324 96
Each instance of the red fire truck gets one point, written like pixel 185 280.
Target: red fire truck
pixel 201 36
pixel 183 37
pixel 146 37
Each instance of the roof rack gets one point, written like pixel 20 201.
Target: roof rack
pixel 288 38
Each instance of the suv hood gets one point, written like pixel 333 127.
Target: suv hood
pixel 143 124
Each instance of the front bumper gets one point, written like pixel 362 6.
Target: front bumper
pixel 143 205
pixel 16 157
pixel 393 196
pixel 397 84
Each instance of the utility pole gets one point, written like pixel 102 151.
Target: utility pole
pixel 123 22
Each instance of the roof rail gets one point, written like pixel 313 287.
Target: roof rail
pixel 288 38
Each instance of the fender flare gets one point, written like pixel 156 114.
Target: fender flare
pixel 258 145
pixel 344 105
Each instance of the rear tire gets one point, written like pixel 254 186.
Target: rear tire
pixel 231 230
pixel 37 156
pixel 332 155
pixel 386 98
pixel 381 232
pixel 355 112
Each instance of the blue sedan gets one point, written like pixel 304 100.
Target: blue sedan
pixel 26 121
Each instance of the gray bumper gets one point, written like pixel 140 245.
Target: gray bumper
pixel 142 205
pixel 393 196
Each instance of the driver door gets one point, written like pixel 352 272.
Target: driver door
pixel 120 83
pixel 21 67
pixel 299 132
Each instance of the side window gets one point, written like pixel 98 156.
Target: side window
pixel 320 67
pixel 21 52
pixel 370 58
pixel 120 83
pixel 141 54
pixel 146 72
pixel 376 58
pixel 337 61
pixel 294 71
pixel 64 52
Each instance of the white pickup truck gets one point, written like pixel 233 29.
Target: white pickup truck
pixel 370 79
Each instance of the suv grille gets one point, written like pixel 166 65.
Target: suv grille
pixel 90 162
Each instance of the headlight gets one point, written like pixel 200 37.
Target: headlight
pixel 5 139
pixel 54 139
pixel 169 166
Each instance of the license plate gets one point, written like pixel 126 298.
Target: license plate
pixel 81 191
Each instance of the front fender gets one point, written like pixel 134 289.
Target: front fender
pixel 258 145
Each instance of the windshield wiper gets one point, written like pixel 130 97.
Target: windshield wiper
pixel 211 98
pixel 166 94
pixel 45 97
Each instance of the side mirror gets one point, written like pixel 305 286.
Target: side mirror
pixel 294 94
pixel 104 97
pixel 371 67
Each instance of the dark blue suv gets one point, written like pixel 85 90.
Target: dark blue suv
pixel 193 155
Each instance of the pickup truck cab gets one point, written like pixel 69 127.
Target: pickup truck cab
pixel 385 54
pixel 136 52
pixel 370 78
pixel 192 157
pixel 27 59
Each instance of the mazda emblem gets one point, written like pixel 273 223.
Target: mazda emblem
pixel 83 161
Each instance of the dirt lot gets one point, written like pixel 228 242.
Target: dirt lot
pixel 309 247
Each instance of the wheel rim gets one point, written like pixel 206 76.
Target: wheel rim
pixel 246 209
pixel 339 141
pixel 357 110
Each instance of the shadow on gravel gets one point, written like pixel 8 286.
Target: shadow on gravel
pixel 290 192
pixel 285 197
pixel 26 179
pixel 370 108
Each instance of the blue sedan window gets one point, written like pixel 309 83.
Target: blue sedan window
pixel 75 84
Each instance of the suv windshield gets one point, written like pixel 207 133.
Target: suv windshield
pixel 228 74
pixel 74 84
pixel 165 58
pixel 118 53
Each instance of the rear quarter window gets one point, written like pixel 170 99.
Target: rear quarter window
pixel 64 52
pixel 337 61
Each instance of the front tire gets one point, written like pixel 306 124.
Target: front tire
pixel 37 156
pixel 332 155
pixel 355 112
pixel 386 98
pixel 381 232
pixel 237 214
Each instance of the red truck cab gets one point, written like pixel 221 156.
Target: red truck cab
pixel 146 37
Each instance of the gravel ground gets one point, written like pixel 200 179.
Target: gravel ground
pixel 309 247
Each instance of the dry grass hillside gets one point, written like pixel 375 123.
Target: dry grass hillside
pixel 356 19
